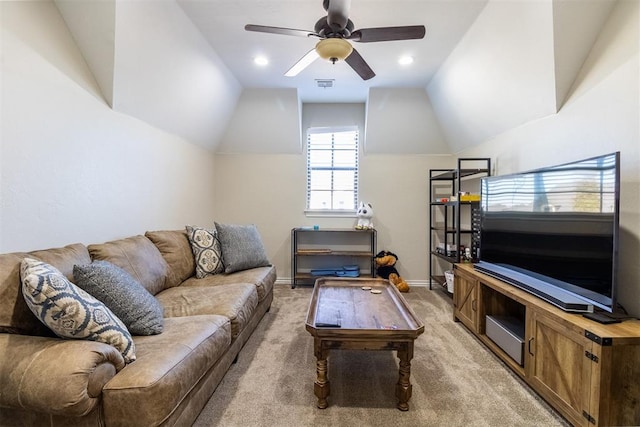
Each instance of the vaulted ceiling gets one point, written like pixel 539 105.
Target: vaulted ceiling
pixel 483 67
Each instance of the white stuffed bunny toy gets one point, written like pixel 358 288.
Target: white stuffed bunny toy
pixel 365 213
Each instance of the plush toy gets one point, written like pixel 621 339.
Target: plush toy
pixel 365 213
pixel 385 262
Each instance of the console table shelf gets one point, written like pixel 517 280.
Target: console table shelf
pixel 334 253
pixel 330 248
pixel 589 372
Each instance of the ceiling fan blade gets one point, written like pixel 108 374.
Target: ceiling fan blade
pixel 383 34
pixel 360 66
pixel 337 13
pixel 280 30
pixel 302 63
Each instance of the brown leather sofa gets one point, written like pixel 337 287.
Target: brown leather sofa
pixel 45 380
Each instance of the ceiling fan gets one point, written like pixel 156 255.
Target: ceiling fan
pixel 333 31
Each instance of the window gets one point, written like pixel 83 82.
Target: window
pixel 332 169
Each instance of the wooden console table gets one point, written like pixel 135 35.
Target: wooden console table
pixel 331 247
pixel 588 371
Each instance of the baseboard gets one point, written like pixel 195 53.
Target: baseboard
pixel 417 283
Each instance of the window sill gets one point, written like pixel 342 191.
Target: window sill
pixel 330 214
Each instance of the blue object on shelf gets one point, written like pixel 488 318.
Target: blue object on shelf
pixel 344 271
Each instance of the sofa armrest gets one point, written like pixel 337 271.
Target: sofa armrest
pixel 52 375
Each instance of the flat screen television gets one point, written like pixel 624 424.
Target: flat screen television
pixel 554 232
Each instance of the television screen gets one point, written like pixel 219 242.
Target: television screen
pixel 554 231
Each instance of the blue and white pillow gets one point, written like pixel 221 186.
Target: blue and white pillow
pixel 207 250
pixel 69 311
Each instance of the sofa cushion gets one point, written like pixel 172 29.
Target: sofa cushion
pixel 69 311
pixel 242 247
pixel 126 298
pixel 63 259
pixel 176 250
pixel 206 251
pixel 138 256
pixel 15 315
pixel 146 392
pixel 237 302
pixel 262 277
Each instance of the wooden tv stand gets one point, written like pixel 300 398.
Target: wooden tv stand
pixel 589 372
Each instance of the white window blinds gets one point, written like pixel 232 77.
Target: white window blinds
pixel 332 169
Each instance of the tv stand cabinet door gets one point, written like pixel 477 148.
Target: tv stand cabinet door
pixel 557 366
pixel 465 300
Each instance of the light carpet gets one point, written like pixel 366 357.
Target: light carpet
pixel 456 380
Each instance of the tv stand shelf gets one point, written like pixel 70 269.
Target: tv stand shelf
pixel 589 372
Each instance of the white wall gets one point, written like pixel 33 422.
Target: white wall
pixel 500 75
pixel 264 121
pixel 576 26
pixel 601 115
pixel 72 169
pixel 152 63
pixel 167 74
pixel 328 115
pixel 402 121
pixel 93 26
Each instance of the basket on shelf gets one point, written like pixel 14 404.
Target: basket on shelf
pixel 448 275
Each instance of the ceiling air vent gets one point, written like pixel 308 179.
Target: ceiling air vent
pixel 324 83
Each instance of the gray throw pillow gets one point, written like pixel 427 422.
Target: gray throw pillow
pixel 206 251
pixel 242 247
pixel 124 295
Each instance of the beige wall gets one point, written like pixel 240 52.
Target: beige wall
pixel 72 169
pixel 600 115
pixel 269 190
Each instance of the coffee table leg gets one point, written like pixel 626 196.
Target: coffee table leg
pixel 321 385
pixel 403 387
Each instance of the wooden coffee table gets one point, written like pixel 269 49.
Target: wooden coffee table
pixel 342 315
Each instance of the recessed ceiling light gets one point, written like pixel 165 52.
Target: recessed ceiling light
pixel 405 60
pixel 261 60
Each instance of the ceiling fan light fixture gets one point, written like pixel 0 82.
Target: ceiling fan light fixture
pixel 334 49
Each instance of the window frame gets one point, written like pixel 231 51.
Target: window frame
pixel 332 212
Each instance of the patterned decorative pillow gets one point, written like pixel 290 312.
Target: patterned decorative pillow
pixel 125 296
pixel 69 311
pixel 242 247
pixel 206 251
